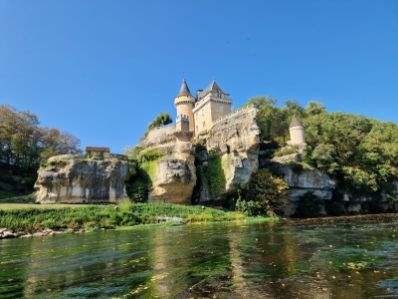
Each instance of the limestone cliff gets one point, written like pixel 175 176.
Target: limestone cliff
pixel 236 139
pixel 227 156
pixel 172 170
pixel 303 184
pixel 175 175
pixel 314 193
pixel 79 179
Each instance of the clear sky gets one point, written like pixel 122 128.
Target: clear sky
pixel 102 70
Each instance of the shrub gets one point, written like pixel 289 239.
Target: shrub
pixel 264 194
pixel 138 185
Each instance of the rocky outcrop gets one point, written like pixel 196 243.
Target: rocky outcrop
pixel 6 233
pixel 306 184
pixel 313 193
pixel 352 203
pixel 79 179
pixel 236 139
pixel 175 175
pixel 227 155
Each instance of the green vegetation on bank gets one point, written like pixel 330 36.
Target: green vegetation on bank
pixel 7 197
pixel 359 152
pixel 28 218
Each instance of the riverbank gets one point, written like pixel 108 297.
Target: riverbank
pixel 330 220
pixel 18 220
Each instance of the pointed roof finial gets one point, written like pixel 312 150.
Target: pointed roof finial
pixel 295 122
pixel 214 87
pixel 184 90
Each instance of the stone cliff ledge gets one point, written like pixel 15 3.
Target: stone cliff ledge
pixel 80 179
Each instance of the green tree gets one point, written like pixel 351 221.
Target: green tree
pixel 314 108
pixel 24 145
pixel 359 152
pixel 160 120
pixel 272 121
pixel 264 194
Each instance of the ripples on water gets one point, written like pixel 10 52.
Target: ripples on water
pixel 215 260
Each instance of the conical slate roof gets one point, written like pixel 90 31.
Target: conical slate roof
pixel 214 87
pixel 184 90
pixel 296 122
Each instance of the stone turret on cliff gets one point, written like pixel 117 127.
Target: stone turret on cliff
pixel 296 130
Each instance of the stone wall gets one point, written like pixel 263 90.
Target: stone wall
pixel 159 136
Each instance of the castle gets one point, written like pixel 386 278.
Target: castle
pixel 198 113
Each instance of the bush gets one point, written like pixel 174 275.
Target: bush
pixel 264 194
pixel 138 186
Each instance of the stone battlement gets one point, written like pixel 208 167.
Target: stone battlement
pixel 234 114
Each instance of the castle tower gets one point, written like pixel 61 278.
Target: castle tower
pixel 296 131
pixel 212 104
pixel 184 103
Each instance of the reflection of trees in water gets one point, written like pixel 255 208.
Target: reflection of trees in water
pixel 246 261
pixel 189 260
pixel 14 255
pixel 93 264
pixel 267 262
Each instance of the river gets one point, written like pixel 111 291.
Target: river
pixel 208 260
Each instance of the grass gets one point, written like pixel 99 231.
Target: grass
pixel 28 218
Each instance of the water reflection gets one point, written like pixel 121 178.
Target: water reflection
pixel 216 260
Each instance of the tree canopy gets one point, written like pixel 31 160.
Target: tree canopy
pixel 161 119
pixel 360 152
pixel 24 143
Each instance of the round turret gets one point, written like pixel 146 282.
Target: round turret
pixel 184 103
pixel 296 131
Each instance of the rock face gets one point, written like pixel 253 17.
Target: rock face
pixel 233 139
pixel 175 175
pixel 350 203
pixel 310 184
pixel 313 193
pixel 236 138
pixel 77 179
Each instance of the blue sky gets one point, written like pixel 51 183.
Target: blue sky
pixel 102 70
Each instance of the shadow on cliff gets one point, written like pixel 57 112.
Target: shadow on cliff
pixel 211 181
pixel 138 184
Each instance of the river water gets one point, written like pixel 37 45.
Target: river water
pixel 214 260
